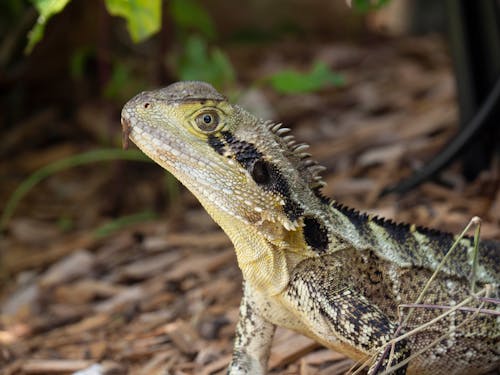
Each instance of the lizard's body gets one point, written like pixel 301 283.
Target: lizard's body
pixel 310 264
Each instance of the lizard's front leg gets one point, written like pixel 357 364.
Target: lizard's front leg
pixel 254 336
pixel 341 316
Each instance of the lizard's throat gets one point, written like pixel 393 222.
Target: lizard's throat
pixel 263 265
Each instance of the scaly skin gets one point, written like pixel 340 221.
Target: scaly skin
pixel 311 264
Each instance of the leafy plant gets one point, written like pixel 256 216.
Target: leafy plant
pixel 123 222
pixel 143 17
pixel 294 82
pixel 197 62
pixel 78 60
pixel 61 165
pixel 188 15
pixel 367 5
pixel 123 83
pixel 46 8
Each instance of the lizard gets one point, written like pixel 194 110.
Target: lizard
pixel 309 263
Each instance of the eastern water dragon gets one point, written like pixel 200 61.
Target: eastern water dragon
pixel 309 263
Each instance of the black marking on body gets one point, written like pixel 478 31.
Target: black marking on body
pixel 324 199
pixel 402 351
pixel 216 144
pixel 315 234
pixel 350 316
pixel 359 220
pixel 489 255
pixel 398 232
pixel 365 326
pixel 265 174
pixel 440 242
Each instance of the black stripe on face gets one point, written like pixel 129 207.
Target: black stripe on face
pixel 244 152
pixel 315 234
pixel 265 174
pixel 279 184
pixel 216 144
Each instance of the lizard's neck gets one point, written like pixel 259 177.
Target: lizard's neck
pixel 266 251
pixel 264 264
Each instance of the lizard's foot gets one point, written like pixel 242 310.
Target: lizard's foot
pixel 243 364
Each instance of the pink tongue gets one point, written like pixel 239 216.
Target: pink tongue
pixel 125 133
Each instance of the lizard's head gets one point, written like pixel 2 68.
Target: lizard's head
pixel 238 166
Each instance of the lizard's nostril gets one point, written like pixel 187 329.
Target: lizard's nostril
pixel 126 128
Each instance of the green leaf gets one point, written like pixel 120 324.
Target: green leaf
pixel 294 82
pixel 123 83
pixel 78 60
pixel 143 16
pixel 12 8
pixel 365 6
pixel 123 222
pixel 120 76
pixel 199 63
pixel 61 165
pixel 189 15
pixel 46 8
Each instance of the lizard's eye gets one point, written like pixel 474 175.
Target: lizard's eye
pixel 208 121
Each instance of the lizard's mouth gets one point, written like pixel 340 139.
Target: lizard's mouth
pixel 167 150
pixel 148 138
pixel 126 129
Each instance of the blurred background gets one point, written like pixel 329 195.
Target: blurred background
pixel 106 261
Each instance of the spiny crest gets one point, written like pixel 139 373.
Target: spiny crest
pixel 308 168
pixel 362 217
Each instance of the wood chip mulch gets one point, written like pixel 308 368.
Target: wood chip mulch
pixel 161 296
